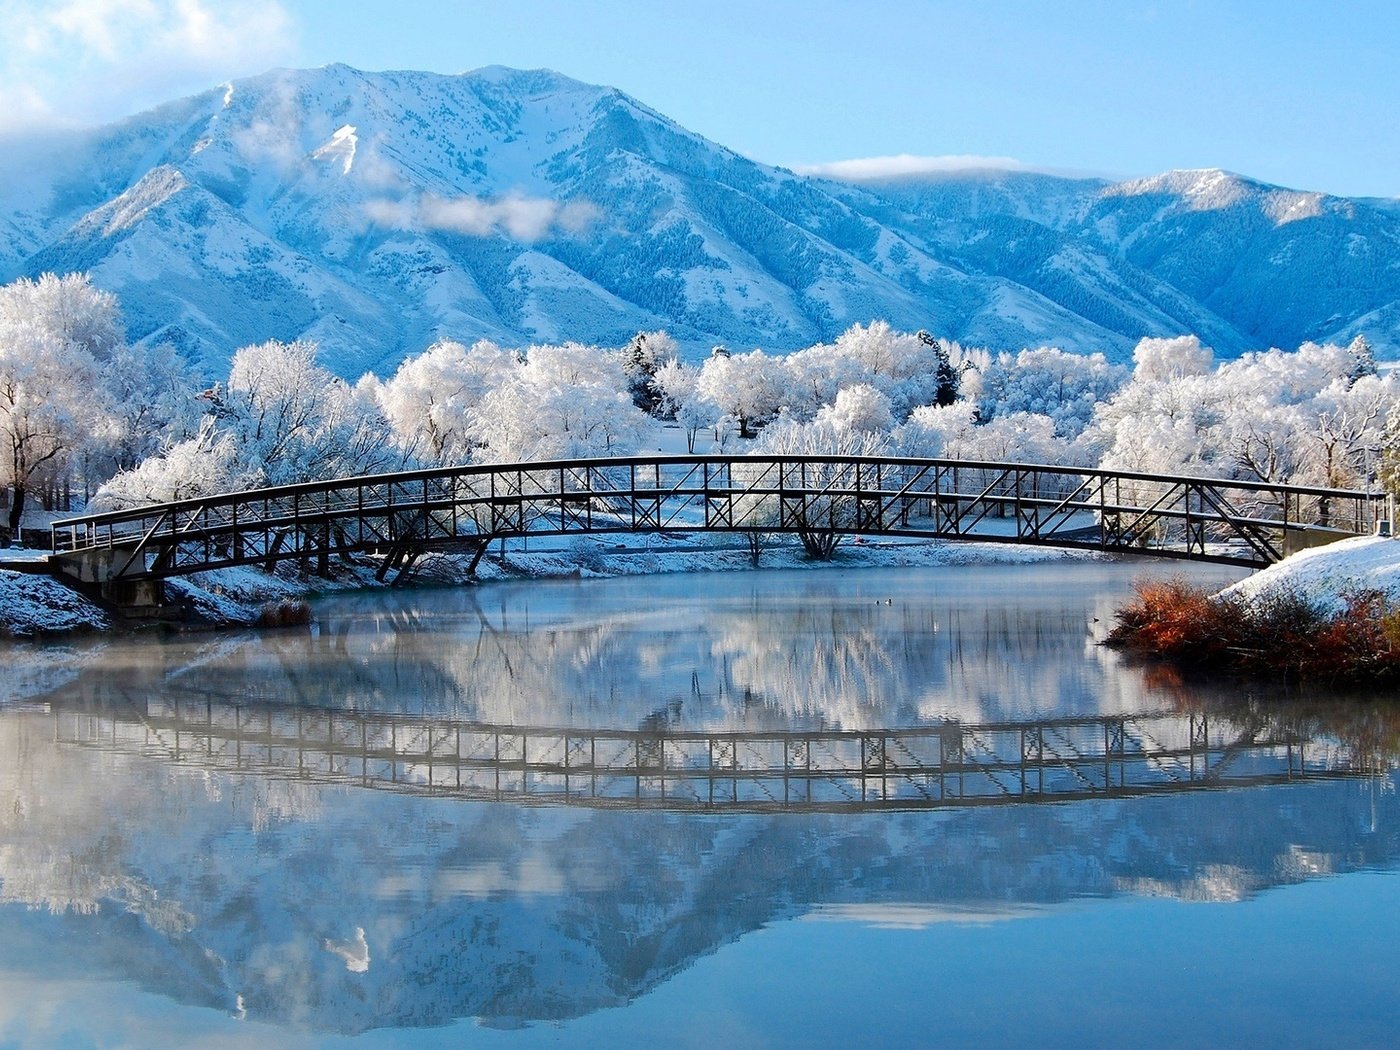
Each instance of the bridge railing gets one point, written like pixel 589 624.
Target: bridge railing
pixel 1178 516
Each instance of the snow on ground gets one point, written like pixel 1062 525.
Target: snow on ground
pixel 31 605
pixel 609 556
pixel 1330 574
pixel 22 554
pixel 231 596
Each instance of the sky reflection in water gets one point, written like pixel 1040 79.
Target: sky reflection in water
pixel 173 891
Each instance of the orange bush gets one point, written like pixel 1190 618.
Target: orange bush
pixel 1285 634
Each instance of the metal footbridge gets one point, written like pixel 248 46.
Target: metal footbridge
pixel 400 516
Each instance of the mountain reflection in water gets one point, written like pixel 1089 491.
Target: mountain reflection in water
pixel 148 809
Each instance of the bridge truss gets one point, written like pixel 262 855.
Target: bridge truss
pixel 464 508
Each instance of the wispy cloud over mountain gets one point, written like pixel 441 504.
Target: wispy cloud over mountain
pixel 869 169
pixel 527 219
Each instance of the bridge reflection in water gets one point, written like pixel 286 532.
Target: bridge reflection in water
pixel 923 767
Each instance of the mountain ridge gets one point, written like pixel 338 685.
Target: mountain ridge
pixel 378 212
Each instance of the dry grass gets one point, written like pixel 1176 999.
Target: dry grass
pixel 284 614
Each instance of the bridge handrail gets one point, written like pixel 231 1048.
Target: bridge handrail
pixel 147 511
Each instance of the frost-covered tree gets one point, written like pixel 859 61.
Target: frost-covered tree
pixel 280 419
pixel 431 399
pixel 562 402
pixel 1279 416
pixel 1171 426
pixel 1343 433
pixel 679 386
pixel 1050 382
pixel 860 408
pixel 910 370
pixel 750 387
pixel 814 376
pixel 1157 360
pixel 1389 452
pixel 822 517
pixel 1363 359
pixel 642 358
pixel 68 307
pixel 1019 437
pixel 275 403
pixel 202 465
pixel 55 335
pixel 1167 419
pixel 946 378
pixel 874 349
pixel 154 404
pixel 1262 442
pixel 938 432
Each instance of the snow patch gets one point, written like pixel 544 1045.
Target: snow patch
pixel 32 605
pixel 1328 575
pixel 154 189
pixel 1284 208
pixel 230 596
pixel 1204 189
pixel 340 147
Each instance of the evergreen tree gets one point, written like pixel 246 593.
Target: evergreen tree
pixel 1363 359
pixel 946 377
pixel 639 365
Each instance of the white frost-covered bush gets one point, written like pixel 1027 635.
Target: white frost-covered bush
pixel 205 464
pixel 858 408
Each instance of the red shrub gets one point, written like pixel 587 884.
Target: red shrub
pixel 1285 634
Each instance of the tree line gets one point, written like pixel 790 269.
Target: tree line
pixel 86 417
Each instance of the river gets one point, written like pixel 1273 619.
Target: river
pixel 895 807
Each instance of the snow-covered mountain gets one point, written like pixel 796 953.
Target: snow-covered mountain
pixel 377 212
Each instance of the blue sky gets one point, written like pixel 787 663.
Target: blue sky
pixel 1302 93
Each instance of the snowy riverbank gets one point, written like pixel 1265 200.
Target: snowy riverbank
pixel 1330 615
pixel 1328 576
pixel 37 606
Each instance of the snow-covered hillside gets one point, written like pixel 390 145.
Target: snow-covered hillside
pixel 1329 576
pixel 377 212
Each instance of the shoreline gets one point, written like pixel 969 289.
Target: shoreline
pixel 38 608
pixel 1329 615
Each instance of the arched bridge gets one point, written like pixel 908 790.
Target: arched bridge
pixel 818 498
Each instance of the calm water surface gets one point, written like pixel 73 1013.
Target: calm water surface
pixel 874 807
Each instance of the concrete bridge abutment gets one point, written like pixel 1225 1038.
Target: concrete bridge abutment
pixel 97 572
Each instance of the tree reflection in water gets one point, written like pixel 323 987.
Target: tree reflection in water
pixel 331 907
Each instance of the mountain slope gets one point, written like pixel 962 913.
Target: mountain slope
pixel 377 212
pixel 1247 264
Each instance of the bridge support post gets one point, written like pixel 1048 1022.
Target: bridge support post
pixel 476 556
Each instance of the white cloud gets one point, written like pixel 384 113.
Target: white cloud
pixel 523 218
pixel 865 169
pixel 83 61
pixel 397 215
